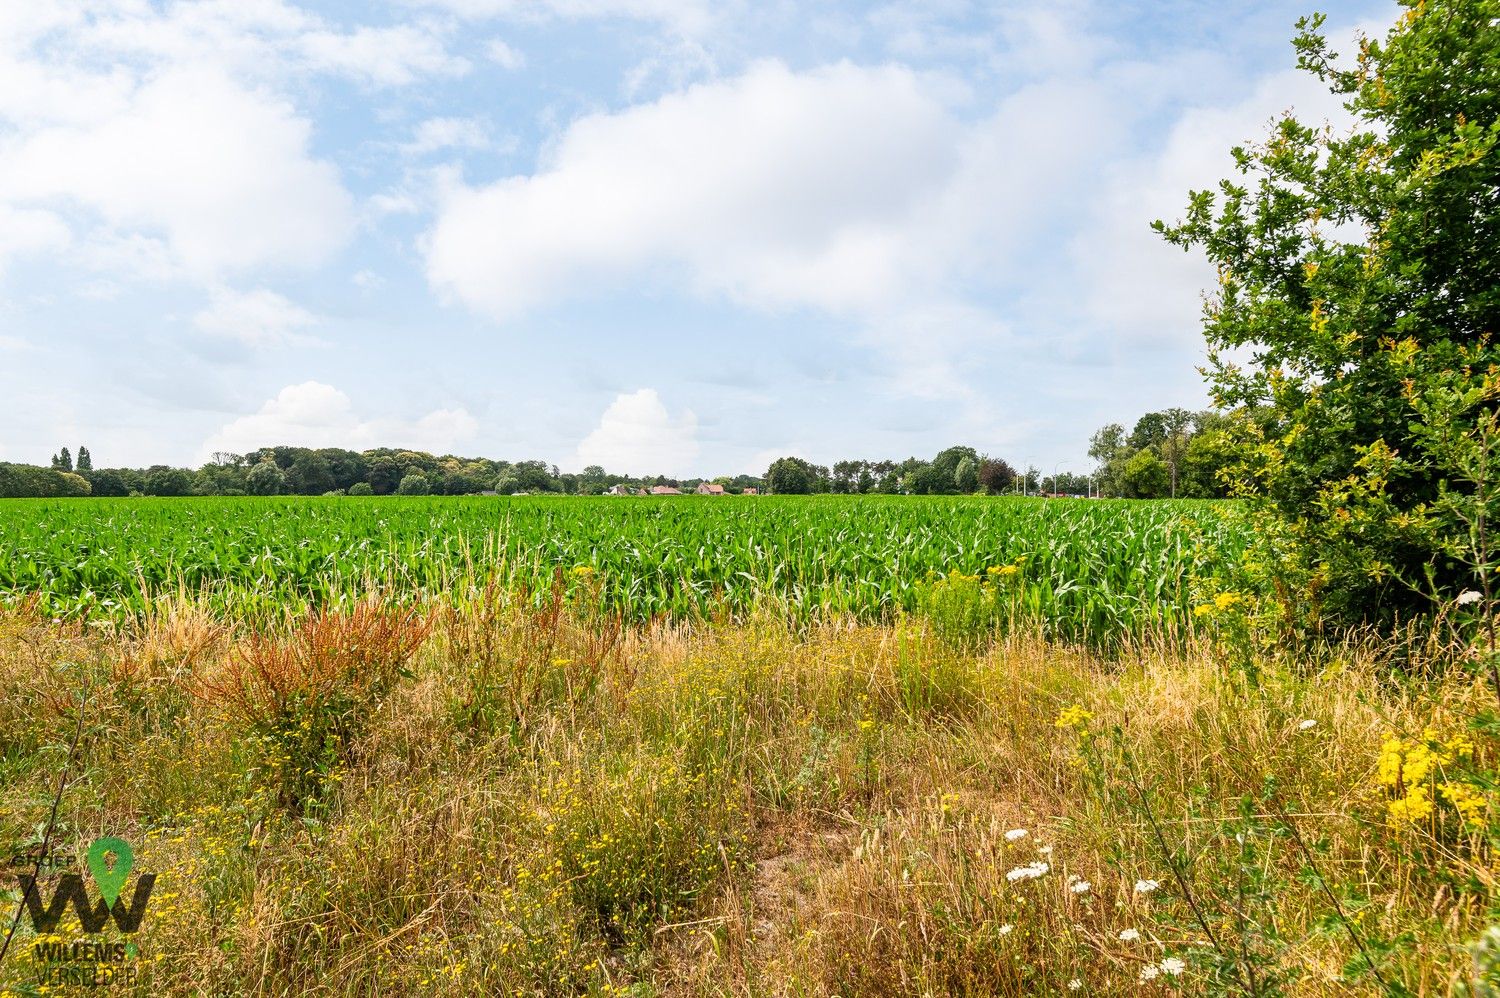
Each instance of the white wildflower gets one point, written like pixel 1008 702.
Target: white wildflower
pixel 1044 850
pixel 1149 972
pixel 1129 935
pixel 1028 872
pixel 1468 596
pixel 1075 985
pixel 1308 724
pixel 1146 886
pixel 1081 887
pixel 1015 835
pixel 1007 929
pixel 1172 965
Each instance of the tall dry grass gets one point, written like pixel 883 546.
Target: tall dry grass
pixel 536 801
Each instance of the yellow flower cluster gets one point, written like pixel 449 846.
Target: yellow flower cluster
pixel 1412 770
pixel 1220 603
pixel 1074 717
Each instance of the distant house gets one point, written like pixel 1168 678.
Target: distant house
pixel 751 491
pixel 710 489
pixel 621 490
pixel 665 490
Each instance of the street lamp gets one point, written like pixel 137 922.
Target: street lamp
pixel 1054 474
pixel 1026 478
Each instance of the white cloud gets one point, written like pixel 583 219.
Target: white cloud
pixel 220 174
pixel 367 281
pixel 505 56
pixel 389 56
pixel 266 40
pixel 1135 283
pixel 637 436
pixel 688 17
pixel 314 414
pixel 259 318
pixel 165 135
pixel 774 189
pixel 25 231
pixel 436 134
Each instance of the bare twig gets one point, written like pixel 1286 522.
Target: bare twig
pixel 41 858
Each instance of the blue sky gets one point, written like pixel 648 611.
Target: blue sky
pixel 674 236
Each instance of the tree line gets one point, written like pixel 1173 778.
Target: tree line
pixel 1167 453
pixel 306 471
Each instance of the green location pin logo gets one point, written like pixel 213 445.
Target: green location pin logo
pixel 110 881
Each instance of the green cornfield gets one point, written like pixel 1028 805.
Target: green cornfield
pixel 1093 570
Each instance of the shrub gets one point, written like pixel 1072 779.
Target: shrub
pixel 414 485
pixel 307 697
pixel 1359 268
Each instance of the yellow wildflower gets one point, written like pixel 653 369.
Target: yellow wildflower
pixel 1388 769
pixel 1415 806
pixel 1466 801
pixel 1073 717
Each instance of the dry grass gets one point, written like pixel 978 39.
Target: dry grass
pixel 536 802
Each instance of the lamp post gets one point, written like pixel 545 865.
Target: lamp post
pixel 1026 478
pixel 1054 475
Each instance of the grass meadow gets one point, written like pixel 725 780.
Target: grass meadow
pixel 521 788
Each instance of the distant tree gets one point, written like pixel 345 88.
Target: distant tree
pixel 216 479
pixel 1177 424
pixel 24 481
pixel 85 461
pixel 790 476
pixel 62 461
pixel 845 477
pixel 1208 457
pixel 266 479
pixel 309 475
pixel 161 480
pixel 385 474
pixel 927 479
pixel 70 485
pixel 1109 450
pixel 346 466
pixel 507 484
pixel 361 489
pixel 461 482
pixel 414 484
pixel 1144 476
pixel 1150 431
pixel 996 476
pixel 108 482
pixel 533 476
pixel 966 475
pixel 945 466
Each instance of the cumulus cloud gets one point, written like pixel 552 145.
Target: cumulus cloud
pixel 1144 289
pixel 259 318
pixel 777 188
pixel 314 414
pixel 637 436
pixel 221 174
pixel 136 123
